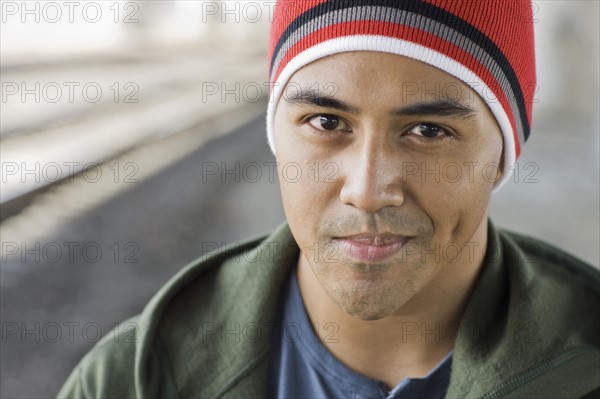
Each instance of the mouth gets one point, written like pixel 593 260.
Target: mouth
pixel 371 248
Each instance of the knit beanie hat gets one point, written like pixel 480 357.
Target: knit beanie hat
pixel 488 44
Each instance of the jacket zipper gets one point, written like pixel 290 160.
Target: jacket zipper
pixel 531 374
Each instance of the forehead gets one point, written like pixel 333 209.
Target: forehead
pixel 376 77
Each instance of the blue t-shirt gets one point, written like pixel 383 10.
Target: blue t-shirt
pixel 302 367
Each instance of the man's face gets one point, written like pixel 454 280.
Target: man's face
pixel 386 167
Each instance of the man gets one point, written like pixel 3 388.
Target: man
pixel 392 122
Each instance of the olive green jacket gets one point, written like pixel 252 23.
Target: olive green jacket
pixel 531 328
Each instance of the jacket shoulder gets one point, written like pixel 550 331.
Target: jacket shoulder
pixel 555 291
pixel 107 370
pixel 134 359
pixel 554 262
pixel 535 323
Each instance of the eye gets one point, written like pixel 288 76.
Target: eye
pixel 428 130
pixel 327 122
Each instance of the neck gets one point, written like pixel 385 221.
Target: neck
pixel 409 342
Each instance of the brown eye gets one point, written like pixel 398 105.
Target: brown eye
pixel 427 130
pixel 328 123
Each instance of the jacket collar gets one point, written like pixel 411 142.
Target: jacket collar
pixel 482 325
pixel 520 325
pixel 206 333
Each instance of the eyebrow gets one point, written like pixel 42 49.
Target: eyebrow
pixel 441 107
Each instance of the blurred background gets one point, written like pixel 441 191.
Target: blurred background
pixel 132 141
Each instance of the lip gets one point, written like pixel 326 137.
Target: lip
pixel 371 248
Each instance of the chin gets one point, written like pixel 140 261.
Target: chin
pixel 364 303
pixel 370 313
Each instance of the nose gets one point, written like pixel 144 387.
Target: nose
pixel 372 177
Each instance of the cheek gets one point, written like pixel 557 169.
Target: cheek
pixel 305 189
pixel 304 193
pixel 454 190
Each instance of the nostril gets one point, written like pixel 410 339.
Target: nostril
pixel 370 194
